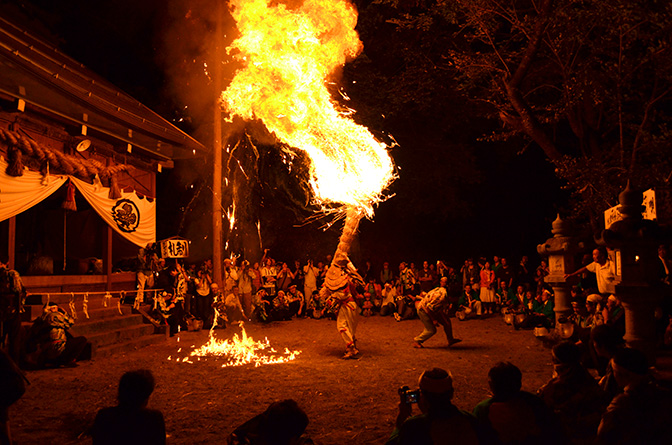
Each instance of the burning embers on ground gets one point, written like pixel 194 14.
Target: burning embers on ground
pixel 237 351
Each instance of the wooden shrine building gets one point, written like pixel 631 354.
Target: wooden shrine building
pixel 78 166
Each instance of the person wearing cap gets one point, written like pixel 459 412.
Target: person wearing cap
pixel 433 308
pixel 439 421
pixel 641 414
pixel 339 286
pixel 594 310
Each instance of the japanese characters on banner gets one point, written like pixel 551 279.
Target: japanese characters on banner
pixel 131 216
pixel 653 208
pixel 174 248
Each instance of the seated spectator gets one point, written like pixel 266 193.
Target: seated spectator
pixel 641 414
pixel 373 292
pixel 579 315
pixel 131 422
pixel 520 303
pixel 607 341
pixel 280 307
pixel 505 296
pixel 283 423
pixel 295 301
pixel 542 313
pixel 573 394
pixel 12 387
pixel 614 314
pixel 388 304
pixel 315 305
pixel 368 306
pixel 594 310
pixel 515 416
pixel 50 342
pixel 440 421
pixel 469 304
pixel 261 307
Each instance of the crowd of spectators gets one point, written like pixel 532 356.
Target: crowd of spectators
pixel 600 392
pixel 272 290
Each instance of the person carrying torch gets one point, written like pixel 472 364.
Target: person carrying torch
pixel 339 284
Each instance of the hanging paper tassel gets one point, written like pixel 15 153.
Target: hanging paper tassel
pixel 136 302
pixel 47 303
pixel 72 306
pixel 106 299
pixel 155 299
pixel 69 203
pixel 46 178
pixel 97 184
pixel 85 305
pixel 115 192
pixel 14 161
pixel 122 297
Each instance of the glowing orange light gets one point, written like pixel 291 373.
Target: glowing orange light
pixel 243 350
pixel 290 55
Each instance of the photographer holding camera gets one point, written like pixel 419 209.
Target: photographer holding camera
pixel 440 421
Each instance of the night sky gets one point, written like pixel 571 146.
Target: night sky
pixel 456 196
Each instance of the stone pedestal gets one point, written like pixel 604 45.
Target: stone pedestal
pixel 561 250
pixel 639 303
pixel 634 242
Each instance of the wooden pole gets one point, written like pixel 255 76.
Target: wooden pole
pixel 11 243
pixel 107 254
pixel 217 154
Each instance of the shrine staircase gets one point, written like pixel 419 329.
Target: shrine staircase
pixel 111 326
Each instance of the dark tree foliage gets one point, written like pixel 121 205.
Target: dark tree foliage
pixel 588 82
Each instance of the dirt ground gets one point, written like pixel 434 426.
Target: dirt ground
pixel 347 401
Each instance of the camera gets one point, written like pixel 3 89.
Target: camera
pixel 408 395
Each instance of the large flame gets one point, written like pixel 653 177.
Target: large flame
pixel 239 351
pixel 289 56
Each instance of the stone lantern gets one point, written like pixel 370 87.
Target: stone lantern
pixel 561 251
pixel 634 242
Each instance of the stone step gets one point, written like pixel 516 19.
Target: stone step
pixel 92 327
pixel 128 346
pixel 120 335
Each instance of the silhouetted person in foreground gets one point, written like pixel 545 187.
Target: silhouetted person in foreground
pixel 12 387
pixel 283 423
pixel 573 394
pixel 440 422
pixel 641 414
pixel 131 422
pixel 514 416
